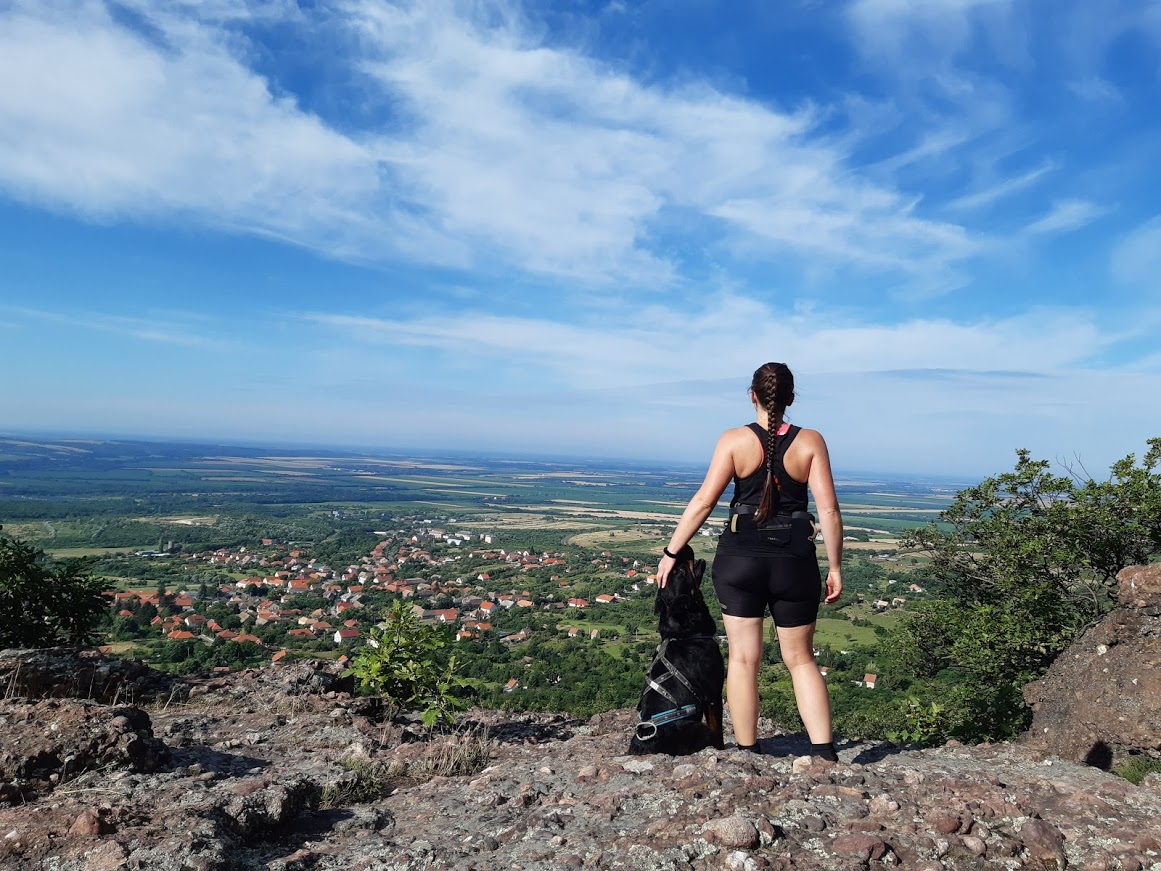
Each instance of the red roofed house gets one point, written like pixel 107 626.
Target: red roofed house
pixel 342 635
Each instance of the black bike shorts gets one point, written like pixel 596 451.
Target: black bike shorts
pixel 790 586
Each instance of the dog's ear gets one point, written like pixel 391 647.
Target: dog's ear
pixel 658 605
pixel 698 571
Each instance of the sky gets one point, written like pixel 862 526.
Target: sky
pixel 576 228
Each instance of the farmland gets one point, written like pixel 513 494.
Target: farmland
pixel 562 549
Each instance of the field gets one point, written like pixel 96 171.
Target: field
pixel 152 516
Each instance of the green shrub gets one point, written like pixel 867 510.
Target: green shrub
pixel 398 662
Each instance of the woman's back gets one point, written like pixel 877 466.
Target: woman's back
pixel 749 454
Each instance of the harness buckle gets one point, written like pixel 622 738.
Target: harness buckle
pixel 646 725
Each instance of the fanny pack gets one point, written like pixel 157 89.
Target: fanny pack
pixel 741 519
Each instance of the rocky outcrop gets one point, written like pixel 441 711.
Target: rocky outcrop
pixel 1100 702
pixel 65 672
pixel 262 773
pixel 51 741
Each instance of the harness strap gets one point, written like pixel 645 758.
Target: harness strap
pixel 647 728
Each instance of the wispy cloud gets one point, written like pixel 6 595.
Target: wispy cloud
pixel 591 355
pixel 501 150
pixel 990 195
pixel 1066 215
pixel 1095 89
pixel 145 329
pixel 1136 260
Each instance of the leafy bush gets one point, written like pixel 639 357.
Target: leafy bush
pixel 1025 561
pixel 44 603
pixel 398 662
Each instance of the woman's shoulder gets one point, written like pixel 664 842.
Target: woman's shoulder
pixel 809 439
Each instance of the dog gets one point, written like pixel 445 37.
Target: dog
pixel 684 683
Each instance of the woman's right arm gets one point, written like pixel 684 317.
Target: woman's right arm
pixel 821 483
pixel 701 506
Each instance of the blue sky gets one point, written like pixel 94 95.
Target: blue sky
pixel 576 228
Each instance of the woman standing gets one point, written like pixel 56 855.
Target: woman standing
pixel 766 557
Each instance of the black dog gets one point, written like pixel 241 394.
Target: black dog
pixel 684 683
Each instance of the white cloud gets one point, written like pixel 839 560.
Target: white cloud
pixel 1000 190
pixel 1096 89
pixel 97 119
pixel 937 29
pixel 661 345
pixel 502 150
pixel 186 332
pixel 1066 215
pixel 1137 258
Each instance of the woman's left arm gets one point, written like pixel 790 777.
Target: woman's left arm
pixel 701 506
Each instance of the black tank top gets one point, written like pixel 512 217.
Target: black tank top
pixel 791 496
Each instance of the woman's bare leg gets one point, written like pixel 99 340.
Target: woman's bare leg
pixel 797 645
pixel 745 636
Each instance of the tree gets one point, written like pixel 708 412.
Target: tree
pixel 1030 559
pixel 399 663
pixel 1064 533
pixel 44 603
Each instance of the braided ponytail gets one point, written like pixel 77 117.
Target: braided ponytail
pixel 773 385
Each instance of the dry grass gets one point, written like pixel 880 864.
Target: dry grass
pixel 366 779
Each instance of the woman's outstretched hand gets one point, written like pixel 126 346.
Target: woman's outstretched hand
pixel 664 567
pixel 834 586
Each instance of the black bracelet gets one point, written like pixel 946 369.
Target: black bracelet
pixel 665 550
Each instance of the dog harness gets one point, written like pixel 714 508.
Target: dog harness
pixel 647 728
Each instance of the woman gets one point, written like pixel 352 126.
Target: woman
pixel 766 557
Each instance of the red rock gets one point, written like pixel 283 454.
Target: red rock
pixel 734 831
pixel 87 824
pixel 944 822
pixel 1043 841
pixel 975 845
pixel 862 847
pixel 1139 586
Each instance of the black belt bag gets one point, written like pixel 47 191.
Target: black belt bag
pixel 742 520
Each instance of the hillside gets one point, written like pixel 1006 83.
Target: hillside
pixel 280 768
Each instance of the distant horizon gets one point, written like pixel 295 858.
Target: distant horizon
pixel 385 452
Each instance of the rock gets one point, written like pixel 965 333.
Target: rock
pixel 975 845
pixel 263 778
pixel 87 824
pixel 733 831
pixel 638 766
pixel 858 846
pixel 812 823
pixel 80 736
pixel 739 861
pixel 1043 841
pixel 69 672
pixel 108 856
pixel 1100 702
pixel 1139 586
pixel 944 822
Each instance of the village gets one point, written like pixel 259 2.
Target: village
pixel 283 599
